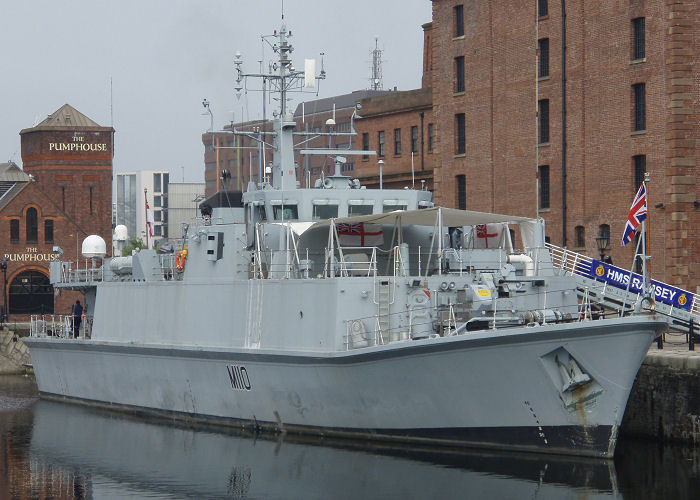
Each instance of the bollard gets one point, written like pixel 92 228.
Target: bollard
pixel 691 336
pixel 660 342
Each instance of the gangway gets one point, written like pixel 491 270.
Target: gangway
pixel 618 289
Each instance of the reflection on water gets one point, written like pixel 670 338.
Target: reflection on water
pixel 69 452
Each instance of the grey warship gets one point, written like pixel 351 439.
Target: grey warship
pixel 342 311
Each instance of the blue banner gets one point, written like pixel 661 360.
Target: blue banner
pixel 619 278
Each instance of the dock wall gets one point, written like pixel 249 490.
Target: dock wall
pixel 665 401
pixel 14 354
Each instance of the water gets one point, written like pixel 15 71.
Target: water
pixel 54 450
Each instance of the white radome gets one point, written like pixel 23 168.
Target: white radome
pixel 94 246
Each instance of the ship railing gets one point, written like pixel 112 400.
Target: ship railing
pixel 58 325
pixel 69 274
pixel 611 296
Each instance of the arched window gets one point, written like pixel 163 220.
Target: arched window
pixel 32 226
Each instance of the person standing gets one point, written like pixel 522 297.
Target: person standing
pixel 77 318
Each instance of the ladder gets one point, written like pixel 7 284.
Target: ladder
pixel 607 291
pixel 384 297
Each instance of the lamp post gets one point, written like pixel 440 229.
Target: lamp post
pixel 3 267
pixel 602 243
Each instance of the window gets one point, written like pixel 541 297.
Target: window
pixel 157 216
pixel 391 206
pixel 157 185
pixel 91 188
pixel 289 213
pixel 63 198
pixel 543 46
pixel 461 192
pixel 158 230
pixel 544 186
pixel 580 236
pixel 638 36
pixel 640 168
pixel 365 145
pixel 460 134
pixel 414 139
pixel 48 231
pixel 157 201
pixel 604 230
pixel 543 115
pixel 325 211
pixel 459 74
pixel 459 20
pixel 360 209
pixel 14 230
pixel 32 226
pixel 380 143
pixel 542 8
pixel 431 137
pixel 640 120
pixel 397 141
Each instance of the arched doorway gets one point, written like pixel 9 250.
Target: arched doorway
pixel 30 292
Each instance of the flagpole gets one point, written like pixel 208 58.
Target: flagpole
pixel 645 247
pixel 145 209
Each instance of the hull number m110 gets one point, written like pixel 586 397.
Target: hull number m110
pixel 238 376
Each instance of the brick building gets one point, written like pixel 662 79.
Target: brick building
pixel 399 127
pixel 226 152
pixel 62 195
pixel 560 113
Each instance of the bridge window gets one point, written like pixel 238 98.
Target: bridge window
pixel 391 205
pixel 288 211
pixel 360 207
pixel 325 209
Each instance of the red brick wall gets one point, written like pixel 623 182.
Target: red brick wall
pixel 396 110
pixel 500 105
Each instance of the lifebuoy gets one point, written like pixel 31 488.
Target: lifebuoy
pixel 180 259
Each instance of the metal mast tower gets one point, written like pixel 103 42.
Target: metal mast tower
pixel 375 81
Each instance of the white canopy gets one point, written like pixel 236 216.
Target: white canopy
pixel 451 217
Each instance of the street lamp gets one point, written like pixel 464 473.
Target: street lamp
pixel 602 243
pixel 3 313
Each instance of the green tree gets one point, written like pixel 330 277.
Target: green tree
pixel 133 244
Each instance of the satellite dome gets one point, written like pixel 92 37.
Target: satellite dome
pixel 121 233
pixel 94 246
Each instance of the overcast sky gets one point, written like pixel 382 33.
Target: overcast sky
pixel 165 56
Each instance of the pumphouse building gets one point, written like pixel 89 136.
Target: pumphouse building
pixel 62 194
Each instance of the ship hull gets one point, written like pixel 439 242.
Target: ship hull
pixel 500 389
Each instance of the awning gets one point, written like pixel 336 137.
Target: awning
pixel 451 217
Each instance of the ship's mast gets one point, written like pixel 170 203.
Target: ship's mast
pixel 281 78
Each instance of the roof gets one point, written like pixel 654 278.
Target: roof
pixel 12 181
pixel 10 172
pixel 67 116
pixel 341 102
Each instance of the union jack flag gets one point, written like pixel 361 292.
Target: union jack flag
pixel 638 213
